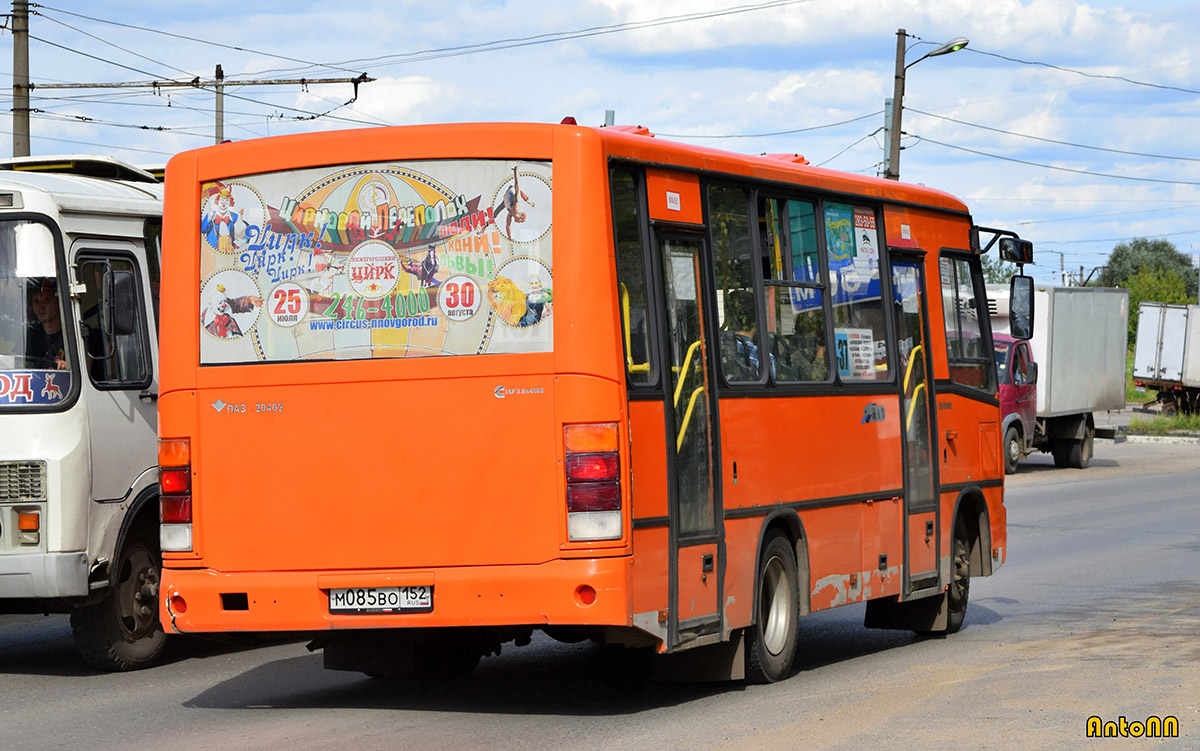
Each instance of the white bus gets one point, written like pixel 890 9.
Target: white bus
pixel 79 271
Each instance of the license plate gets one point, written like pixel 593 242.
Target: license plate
pixel 381 600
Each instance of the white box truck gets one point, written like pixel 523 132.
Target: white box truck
pixel 1079 347
pixel 1166 356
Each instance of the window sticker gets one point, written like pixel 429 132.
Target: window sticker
pixel 855 353
pixel 377 260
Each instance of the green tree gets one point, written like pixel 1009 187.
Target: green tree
pixel 1127 259
pixel 996 271
pixel 1153 285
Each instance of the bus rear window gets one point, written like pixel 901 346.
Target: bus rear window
pixel 362 261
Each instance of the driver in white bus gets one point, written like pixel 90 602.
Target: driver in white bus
pixel 45 340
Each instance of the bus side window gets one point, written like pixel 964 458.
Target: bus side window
pixel 152 239
pixel 737 308
pixel 631 278
pixel 795 291
pixel 114 359
pixel 852 250
pixel 969 363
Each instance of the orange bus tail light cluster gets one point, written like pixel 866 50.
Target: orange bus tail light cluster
pixel 175 494
pixel 593 467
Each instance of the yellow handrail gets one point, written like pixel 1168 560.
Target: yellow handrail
pixel 912 405
pixel 687 416
pixel 687 360
pixel 630 365
pixel 912 358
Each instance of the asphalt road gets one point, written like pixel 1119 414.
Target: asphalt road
pixel 1097 612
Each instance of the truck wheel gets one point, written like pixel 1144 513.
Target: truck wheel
pixel 1079 452
pixel 1060 448
pixel 771 639
pixel 122 631
pixel 1012 449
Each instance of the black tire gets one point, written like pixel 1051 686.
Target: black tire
pixel 771 639
pixel 959 590
pixel 1061 449
pixel 122 631
pixel 1079 453
pixel 1012 449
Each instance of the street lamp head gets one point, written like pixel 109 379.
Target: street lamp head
pixel 954 45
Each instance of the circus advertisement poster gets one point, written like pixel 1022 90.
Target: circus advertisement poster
pixel 377 260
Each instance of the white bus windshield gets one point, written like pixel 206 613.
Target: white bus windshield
pixel 35 361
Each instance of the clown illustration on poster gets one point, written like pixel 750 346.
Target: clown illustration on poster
pixel 230 305
pixel 229 208
pixel 378 260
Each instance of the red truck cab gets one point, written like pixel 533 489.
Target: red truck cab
pixel 1017 376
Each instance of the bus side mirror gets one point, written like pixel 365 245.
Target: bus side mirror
pixel 120 302
pixel 1020 311
pixel 1016 250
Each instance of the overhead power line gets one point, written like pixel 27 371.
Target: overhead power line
pixel 1081 72
pixel 438 53
pixel 876 113
pixel 559 36
pixel 843 151
pixel 190 39
pixel 1055 167
pixel 1117 239
pixel 1051 140
pixel 111 44
pixel 102 145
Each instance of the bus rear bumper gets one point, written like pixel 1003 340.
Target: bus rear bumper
pixel 43 575
pixel 552 593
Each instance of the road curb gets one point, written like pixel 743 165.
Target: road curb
pixel 1163 439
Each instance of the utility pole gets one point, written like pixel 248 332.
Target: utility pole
pixel 892 165
pixel 20 108
pixel 219 127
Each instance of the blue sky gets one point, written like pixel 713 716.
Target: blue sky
pixel 722 81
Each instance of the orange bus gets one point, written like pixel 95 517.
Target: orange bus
pixel 426 390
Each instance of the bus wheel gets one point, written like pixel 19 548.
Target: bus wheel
pixel 1012 449
pixel 122 631
pixel 960 581
pixel 771 639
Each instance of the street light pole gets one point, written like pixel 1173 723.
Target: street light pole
pixel 892 172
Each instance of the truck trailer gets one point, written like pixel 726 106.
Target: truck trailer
pixel 1078 354
pixel 1166 356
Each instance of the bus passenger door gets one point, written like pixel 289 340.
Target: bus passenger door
pixel 916 398
pixel 695 580
pixel 118 363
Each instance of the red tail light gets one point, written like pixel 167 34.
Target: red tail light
pixel 174 480
pixel 593 469
pixel 594 496
pixel 176 509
